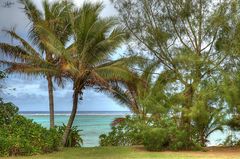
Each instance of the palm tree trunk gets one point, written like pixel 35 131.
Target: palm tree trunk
pixel 51 100
pixel 72 117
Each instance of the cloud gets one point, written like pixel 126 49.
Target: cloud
pixel 14 16
pixel 31 94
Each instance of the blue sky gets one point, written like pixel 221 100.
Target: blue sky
pixel 30 93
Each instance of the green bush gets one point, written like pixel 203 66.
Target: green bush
pixel 155 135
pixel 166 135
pixel 169 138
pixel 156 139
pixel 24 137
pixel 127 132
pixel 74 139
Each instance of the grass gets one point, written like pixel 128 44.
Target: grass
pixel 133 153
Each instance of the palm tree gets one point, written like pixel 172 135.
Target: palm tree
pixel 54 16
pixel 87 60
pixel 133 93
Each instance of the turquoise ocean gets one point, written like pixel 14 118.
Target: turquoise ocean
pixel 91 123
pixel 95 123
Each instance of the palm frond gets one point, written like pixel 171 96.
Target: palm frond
pixel 148 71
pixel 119 95
pixel 50 41
pixel 14 67
pixel 105 46
pixel 31 10
pixel 23 42
pixel 12 51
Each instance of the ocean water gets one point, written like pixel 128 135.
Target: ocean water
pixel 94 124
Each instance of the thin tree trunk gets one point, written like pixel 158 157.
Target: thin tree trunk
pixel 203 140
pixel 72 117
pixel 186 120
pixel 51 100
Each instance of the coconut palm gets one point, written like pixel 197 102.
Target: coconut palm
pixel 132 93
pixel 87 60
pixel 34 61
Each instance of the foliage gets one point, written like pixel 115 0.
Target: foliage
pixel 234 123
pixel 167 138
pixel 186 84
pixel 127 132
pixel 153 134
pixel 7 112
pixel 158 102
pixel 156 139
pixel 74 138
pixel 21 136
pixel 24 137
pixel 164 134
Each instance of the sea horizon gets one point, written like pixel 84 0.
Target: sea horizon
pixel 94 113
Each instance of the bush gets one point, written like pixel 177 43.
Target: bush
pixel 125 132
pixel 169 138
pixel 74 139
pixel 155 135
pixel 156 139
pixel 24 137
pixel 21 136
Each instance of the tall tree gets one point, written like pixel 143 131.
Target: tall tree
pixel 182 35
pixel 87 60
pixel 54 16
pixel 228 43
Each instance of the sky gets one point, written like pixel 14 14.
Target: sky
pixel 30 93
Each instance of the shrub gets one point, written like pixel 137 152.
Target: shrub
pixel 125 132
pixel 154 134
pixel 74 138
pixel 22 136
pixel 165 134
pixel 156 139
